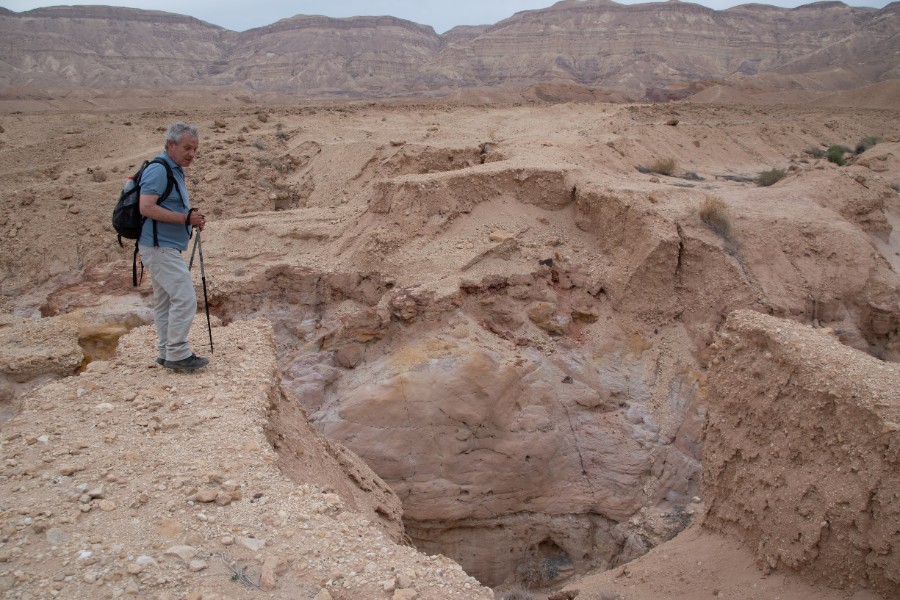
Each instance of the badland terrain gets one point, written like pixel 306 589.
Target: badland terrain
pixel 475 325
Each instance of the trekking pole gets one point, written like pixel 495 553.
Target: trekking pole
pixel 193 252
pixel 199 246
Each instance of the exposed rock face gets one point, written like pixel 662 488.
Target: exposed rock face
pixel 601 43
pixel 33 352
pixel 802 453
pixel 636 50
pixel 501 448
pixel 321 56
pixel 107 47
pixel 498 454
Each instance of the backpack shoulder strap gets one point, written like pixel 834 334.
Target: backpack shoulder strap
pixel 170 179
pixel 170 183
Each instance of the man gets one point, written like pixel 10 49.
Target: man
pixel 165 235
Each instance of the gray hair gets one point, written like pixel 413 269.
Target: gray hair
pixel 178 130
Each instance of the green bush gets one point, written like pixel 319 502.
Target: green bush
pixel 836 154
pixel 767 178
pixel 866 143
pixel 815 152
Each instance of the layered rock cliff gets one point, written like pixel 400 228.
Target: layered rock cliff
pixel 632 49
pixel 107 47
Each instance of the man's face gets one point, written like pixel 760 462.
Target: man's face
pixel 183 152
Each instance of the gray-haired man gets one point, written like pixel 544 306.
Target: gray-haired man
pixel 164 237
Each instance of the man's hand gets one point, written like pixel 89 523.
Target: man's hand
pixel 197 219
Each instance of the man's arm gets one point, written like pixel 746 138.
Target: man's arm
pixel 152 210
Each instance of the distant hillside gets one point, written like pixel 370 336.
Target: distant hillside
pixel 636 50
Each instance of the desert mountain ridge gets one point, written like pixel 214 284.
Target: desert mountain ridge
pixel 598 48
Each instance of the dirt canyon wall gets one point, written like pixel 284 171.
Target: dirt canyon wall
pixel 802 449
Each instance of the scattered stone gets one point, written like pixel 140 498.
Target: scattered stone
pixel 252 544
pixel 267 580
pixel 348 356
pixel 146 561
pixel 544 315
pixel 207 495
pixel 323 595
pixel 134 569
pixel 183 552
pixel 197 565
pixel 405 594
pixel 56 536
pixel 107 505
pixel 405 580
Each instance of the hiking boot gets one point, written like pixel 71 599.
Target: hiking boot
pixel 161 361
pixel 187 364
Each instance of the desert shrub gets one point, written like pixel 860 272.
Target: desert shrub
pixel 714 214
pixel 772 176
pixel 259 145
pixel 836 154
pixel 282 135
pixel 517 595
pixel 531 573
pixel 815 152
pixel 664 166
pixel 866 143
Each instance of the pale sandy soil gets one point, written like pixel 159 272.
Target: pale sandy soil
pixel 409 232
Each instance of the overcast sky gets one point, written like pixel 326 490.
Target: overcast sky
pixel 239 15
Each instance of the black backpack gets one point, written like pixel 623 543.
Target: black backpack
pixel 127 219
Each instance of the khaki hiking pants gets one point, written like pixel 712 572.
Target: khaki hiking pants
pixel 174 299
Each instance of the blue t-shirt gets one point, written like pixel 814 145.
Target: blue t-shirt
pixel 153 181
